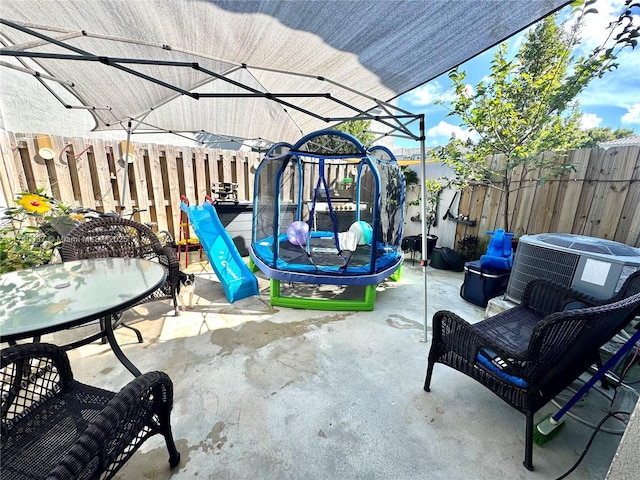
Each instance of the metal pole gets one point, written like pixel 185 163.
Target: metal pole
pixel 125 158
pixel 423 207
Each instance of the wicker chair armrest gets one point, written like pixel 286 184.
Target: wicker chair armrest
pixel 173 264
pixel 549 297
pixel 454 333
pixel 106 441
pixel 28 351
pixel 36 371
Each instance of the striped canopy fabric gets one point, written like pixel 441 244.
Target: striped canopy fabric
pixel 251 69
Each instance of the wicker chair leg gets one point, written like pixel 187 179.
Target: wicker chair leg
pixel 528 443
pixel 427 380
pixel 164 418
pixel 174 454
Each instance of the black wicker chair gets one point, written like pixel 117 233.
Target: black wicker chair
pixel 120 237
pixel 530 353
pixel 54 427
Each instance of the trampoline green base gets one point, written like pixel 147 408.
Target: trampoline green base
pixel 364 305
pixel 323 303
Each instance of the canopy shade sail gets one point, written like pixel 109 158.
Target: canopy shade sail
pixel 270 69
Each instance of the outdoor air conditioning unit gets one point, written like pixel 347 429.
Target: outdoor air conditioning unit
pixel 590 265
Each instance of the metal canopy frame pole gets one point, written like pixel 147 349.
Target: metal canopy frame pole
pixel 83 55
pixel 423 207
pixel 125 159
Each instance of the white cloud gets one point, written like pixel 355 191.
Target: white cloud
pixel 468 91
pixel 594 30
pixel 632 116
pixel 589 120
pixel 428 94
pixel 619 88
pixel 618 85
pixel 446 130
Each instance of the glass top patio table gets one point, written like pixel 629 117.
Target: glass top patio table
pixel 55 297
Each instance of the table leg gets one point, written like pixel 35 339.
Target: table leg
pixel 117 350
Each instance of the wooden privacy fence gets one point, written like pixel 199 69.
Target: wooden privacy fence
pixel 91 173
pixel 600 199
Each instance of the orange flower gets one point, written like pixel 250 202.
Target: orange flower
pixel 34 203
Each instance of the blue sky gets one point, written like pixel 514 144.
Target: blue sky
pixel 612 101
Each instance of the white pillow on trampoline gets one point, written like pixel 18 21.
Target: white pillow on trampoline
pixel 348 241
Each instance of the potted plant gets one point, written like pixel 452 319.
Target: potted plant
pixel 432 200
pixel 468 248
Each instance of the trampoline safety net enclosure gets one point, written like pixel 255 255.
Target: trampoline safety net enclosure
pixel 328 211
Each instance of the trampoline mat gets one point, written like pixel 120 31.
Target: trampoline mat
pixel 323 252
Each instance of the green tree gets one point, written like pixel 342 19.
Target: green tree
pixel 591 137
pixel 526 106
pixel 359 129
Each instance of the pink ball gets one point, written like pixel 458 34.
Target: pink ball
pixel 298 233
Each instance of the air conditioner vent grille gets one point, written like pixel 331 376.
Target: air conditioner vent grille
pixel 539 262
pixel 588 244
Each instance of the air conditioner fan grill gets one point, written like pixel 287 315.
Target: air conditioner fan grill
pixel 539 262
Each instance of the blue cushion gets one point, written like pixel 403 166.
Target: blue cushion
pixel 575 305
pixel 493 362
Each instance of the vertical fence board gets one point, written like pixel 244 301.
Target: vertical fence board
pixel 174 189
pixel 85 184
pixel 515 198
pixel 105 183
pixel 157 187
pixel 521 223
pixel 119 166
pixel 490 210
pixel 543 205
pixel 214 175
pixel 569 194
pixel 241 161
pixel 39 175
pixel 9 177
pixel 631 216
pixel 189 184
pixel 227 160
pixel 517 186
pixel 60 174
pixel 587 193
pixel 627 229
pixel 475 209
pixel 200 176
pixel 464 208
pixel 601 191
pixel 139 190
pixel 616 192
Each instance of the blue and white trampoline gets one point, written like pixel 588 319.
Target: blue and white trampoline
pixel 327 211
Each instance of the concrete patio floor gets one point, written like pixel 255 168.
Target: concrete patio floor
pixel 276 393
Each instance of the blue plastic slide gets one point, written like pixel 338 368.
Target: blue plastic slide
pixel 234 275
